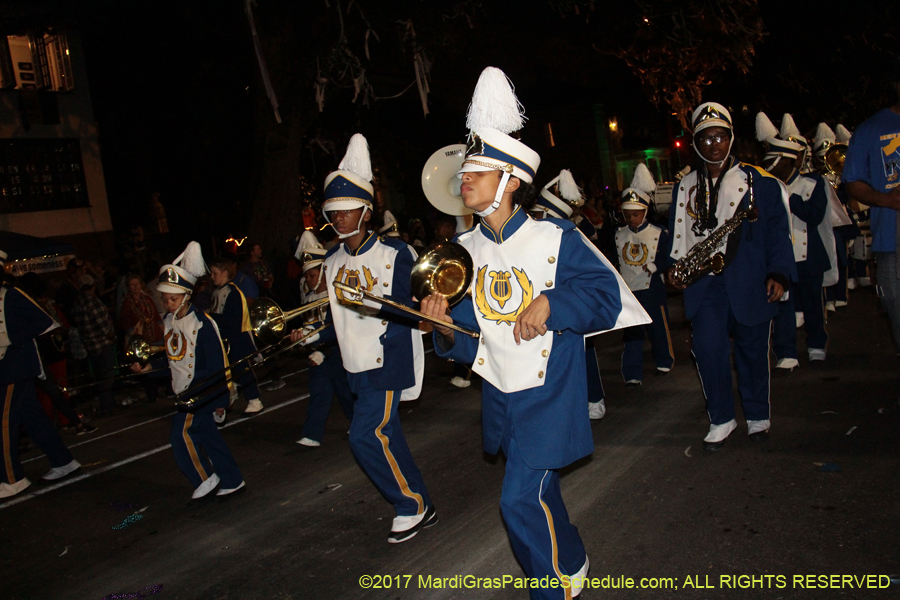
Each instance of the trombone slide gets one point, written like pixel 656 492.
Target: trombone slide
pixel 360 293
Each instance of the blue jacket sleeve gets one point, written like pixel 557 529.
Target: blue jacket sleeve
pixel 811 211
pixel 779 248
pixel 465 347
pixel 586 296
pixel 662 252
pixel 401 289
pixel 232 316
pixel 25 320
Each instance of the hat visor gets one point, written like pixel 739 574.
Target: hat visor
pixel 633 206
pixel 170 288
pixel 344 204
pixel 707 123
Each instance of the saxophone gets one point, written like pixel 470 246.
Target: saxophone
pixel 705 256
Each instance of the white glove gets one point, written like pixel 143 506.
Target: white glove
pixel 312 338
pixel 316 358
pixel 651 267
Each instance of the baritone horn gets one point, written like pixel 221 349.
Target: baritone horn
pixel 138 350
pixel 268 321
pixel 444 268
pixel 834 159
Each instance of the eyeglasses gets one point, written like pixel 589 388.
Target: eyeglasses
pixel 714 139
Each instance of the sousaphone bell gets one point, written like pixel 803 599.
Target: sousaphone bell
pixel 440 183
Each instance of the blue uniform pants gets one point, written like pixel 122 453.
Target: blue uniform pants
pixel 784 329
pixel 21 407
pixel 325 382
pixel 377 441
pixel 660 340
pixel 543 540
pixel 838 291
pixel 712 349
pixel 594 383
pixel 806 297
pixel 198 445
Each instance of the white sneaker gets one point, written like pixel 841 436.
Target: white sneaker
pixel 787 363
pixel 11 489
pixel 663 369
pixel 460 382
pixel 816 354
pixel 206 487
pixel 275 385
pixel 851 284
pixel 219 418
pixel 840 303
pixel 596 410
pixel 578 578
pixel 757 426
pixel 225 492
pixel 800 319
pixel 308 442
pixel 829 306
pixel 254 406
pixel 864 281
pixel 718 433
pixel 60 472
pixel 633 383
pixel 405 528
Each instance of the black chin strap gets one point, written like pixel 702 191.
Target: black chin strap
pixel 707 199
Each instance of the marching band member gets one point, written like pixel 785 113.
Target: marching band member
pixel 232 315
pixel 380 347
pixel 560 199
pixel 195 352
pixel 539 287
pixel 327 377
pixel 642 260
pixel 813 243
pixel 21 321
pixel 759 265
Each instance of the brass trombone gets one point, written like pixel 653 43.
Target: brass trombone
pixel 834 159
pixel 445 268
pixel 139 350
pixel 268 321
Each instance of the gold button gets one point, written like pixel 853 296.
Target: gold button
pixel 384 322
pixel 804 256
pixel 385 284
pixel 676 252
pixel 551 260
pixel 732 203
pixel 804 231
pixel 678 236
pixel 545 353
pixel 189 376
pixel 378 360
pixel 682 204
pixel 387 266
pixel 804 243
pixel 548 284
pixel 740 189
pixel 195 332
pixel 682 189
pixel 192 355
pixel 679 220
pixel 480 361
pixel 190 366
pixel 482 341
pixel 540 374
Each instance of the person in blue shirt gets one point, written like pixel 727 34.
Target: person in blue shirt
pixel 872 177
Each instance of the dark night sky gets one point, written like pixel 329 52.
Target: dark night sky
pixel 181 109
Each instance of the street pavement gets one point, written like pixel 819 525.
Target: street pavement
pixel 750 521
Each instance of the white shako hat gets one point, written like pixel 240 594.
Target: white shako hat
pixel 637 195
pixel 711 114
pixel 310 252
pixel 180 276
pixel 790 133
pixel 775 148
pixel 350 187
pixel 824 139
pixel 390 225
pixel 842 135
pixel 494 113
pixel 560 196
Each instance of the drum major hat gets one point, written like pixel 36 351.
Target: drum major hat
pixel 637 195
pixel 350 187
pixel 710 114
pixel 824 139
pixel 776 147
pixel 310 252
pixel 560 196
pixel 180 276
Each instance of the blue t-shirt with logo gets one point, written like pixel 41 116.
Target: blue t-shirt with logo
pixel 874 158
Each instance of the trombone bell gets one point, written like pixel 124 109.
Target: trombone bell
pixel 138 350
pixel 834 159
pixel 444 268
pixel 268 321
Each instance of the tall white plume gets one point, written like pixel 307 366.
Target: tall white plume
pixel 789 128
pixel 764 127
pixel 823 134
pixel 191 260
pixel 643 180
pixel 568 189
pixel 356 159
pixel 494 103
pixel 842 134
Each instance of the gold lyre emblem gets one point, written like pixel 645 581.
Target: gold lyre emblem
pixel 689 207
pixel 634 254
pixel 351 278
pixel 176 345
pixel 501 288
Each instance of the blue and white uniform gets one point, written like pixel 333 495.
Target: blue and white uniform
pixel 534 394
pixel 232 315
pixel 382 352
pixel 21 321
pixel 194 352
pixel 736 301
pixel 814 253
pixel 642 262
